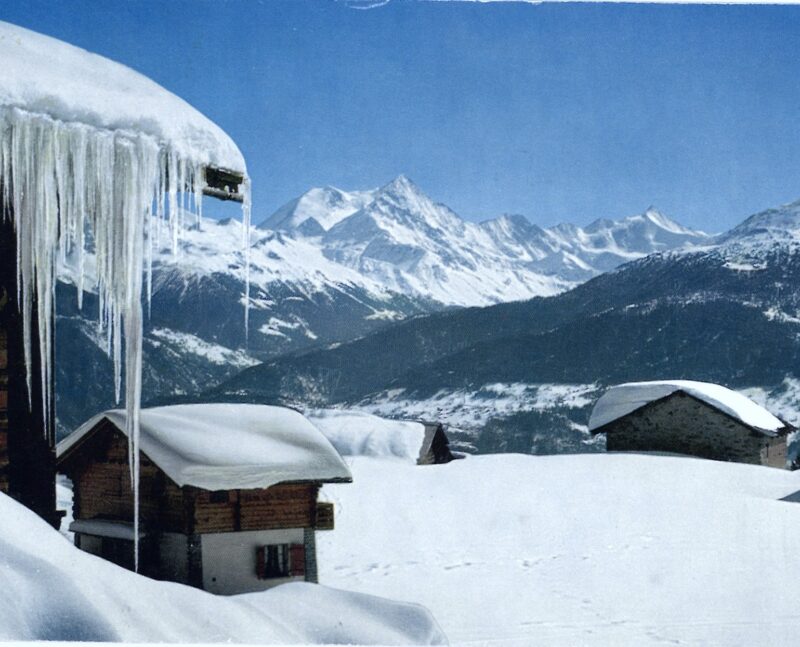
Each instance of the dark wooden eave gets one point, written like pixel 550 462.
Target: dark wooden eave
pixel 223 184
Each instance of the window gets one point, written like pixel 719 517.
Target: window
pixel 280 560
pixel 218 496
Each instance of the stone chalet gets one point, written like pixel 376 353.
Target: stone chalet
pixel 692 418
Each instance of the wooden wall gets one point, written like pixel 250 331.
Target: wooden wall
pixel 3 403
pixel 286 505
pixel 101 478
pixel 102 486
pixel 27 458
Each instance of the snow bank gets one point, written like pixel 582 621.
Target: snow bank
pixel 227 446
pixel 592 550
pixel 623 399
pixel 47 76
pixel 53 591
pixel 355 433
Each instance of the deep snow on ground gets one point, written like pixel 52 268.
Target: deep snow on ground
pixel 603 549
pixel 53 591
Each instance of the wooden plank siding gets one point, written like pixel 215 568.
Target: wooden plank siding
pixel 102 488
pixel 286 505
pixel 27 455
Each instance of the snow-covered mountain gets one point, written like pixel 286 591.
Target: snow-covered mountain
pixel 331 267
pixel 318 209
pixel 400 238
pixel 521 376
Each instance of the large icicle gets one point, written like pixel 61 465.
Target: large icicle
pixel 57 179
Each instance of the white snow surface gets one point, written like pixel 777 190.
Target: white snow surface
pixel 357 433
pixel 591 550
pixel 54 591
pixel 228 446
pixel 623 399
pixel 47 76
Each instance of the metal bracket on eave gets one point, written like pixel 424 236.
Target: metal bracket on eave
pixel 223 184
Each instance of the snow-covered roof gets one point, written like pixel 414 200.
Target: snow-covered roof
pixel 357 433
pixel 43 75
pixel 227 446
pixel 623 399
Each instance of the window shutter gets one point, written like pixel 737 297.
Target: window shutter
pixel 261 563
pixel 297 560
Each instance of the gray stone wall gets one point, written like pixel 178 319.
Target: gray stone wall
pixel 681 424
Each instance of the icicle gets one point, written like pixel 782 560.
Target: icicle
pixel 246 243
pixel 60 181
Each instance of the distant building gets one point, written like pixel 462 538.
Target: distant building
pixel 692 418
pixel 228 493
pixel 357 433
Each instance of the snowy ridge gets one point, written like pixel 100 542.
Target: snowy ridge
pixel 777 224
pixel 324 206
pixel 399 238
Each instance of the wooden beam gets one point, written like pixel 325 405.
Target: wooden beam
pixel 223 184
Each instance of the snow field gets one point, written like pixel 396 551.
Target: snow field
pixel 605 549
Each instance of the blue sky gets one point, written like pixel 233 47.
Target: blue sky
pixel 559 112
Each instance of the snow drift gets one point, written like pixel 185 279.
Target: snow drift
pixel 53 591
pixel 356 433
pixel 604 549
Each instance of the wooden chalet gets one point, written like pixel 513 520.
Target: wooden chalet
pixel 690 418
pixel 228 493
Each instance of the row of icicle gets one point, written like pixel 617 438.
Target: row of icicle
pixel 69 186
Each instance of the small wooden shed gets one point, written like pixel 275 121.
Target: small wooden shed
pixel 228 493
pixel 692 418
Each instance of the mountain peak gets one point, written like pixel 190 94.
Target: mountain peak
pixel 325 205
pixel 401 184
